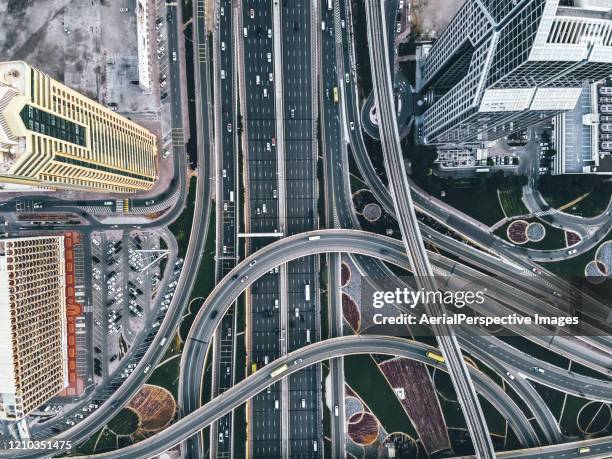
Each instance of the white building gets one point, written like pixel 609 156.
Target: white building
pixel 33 340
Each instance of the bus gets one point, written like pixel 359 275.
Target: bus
pixel 335 94
pixel 278 371
pixel 435 356
pixel 307 292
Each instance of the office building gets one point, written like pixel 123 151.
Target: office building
pixel 33 344
pixel 503 65
pixel 52 136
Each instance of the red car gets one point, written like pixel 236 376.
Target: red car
pixel 273 141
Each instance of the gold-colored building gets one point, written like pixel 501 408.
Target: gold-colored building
pixel 33 338
pixel 52 136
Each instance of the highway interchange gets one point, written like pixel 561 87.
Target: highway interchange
pixel 288 170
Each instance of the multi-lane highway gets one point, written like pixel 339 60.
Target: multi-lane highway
pixel 324 350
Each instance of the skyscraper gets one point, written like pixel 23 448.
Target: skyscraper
pixel 33 343
pixel 502 65
pixel 52 136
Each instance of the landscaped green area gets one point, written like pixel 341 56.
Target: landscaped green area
pixel 125 422
pixel 167 376
pixel 554 239
pixel 476 197
pixel 511 202
pixel 574 267
pixel 595 203
pixel 559 190
pixel 366 379
pixel 205 279
pixel 181 227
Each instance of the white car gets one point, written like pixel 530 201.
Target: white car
pixel 174 56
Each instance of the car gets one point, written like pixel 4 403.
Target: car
pixel 252 13
pixel 269 56
pixel 220 437
pixel 268 148
pixel 166 154
pixel 222 11
pixel 223 74
pixel 536 270
pixel 123 10
pixel 274 193
pixel 161 49
pixel 269 33
pixel 222 46
pixel 229 127
pixel 253 263
pixel 352 125
pixel 538 370
pixel 146 369
pixel 149 202
pixel 169 17
pixel 174 56
pixel 572 252
pixel 243 279
pixel 273 141
pixel 293 113
pixel 163 84
pixel 509 375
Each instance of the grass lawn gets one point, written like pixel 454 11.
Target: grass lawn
pixel 125 422
pixel 181 228
pixel 483 206
pixel 167 376
pixel 559 190
pixel 512 203
pixel 205 279
pixel 554 239
pixel 574 267
pixel 366 379
pixel 595 203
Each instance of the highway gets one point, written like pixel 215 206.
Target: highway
pixel 155 350
pixel 227 205
pixel 384 248
pixel 300 359
pixel 334 183
pixel 402 203
pixel 298 29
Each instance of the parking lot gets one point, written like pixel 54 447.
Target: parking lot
pixel 124 280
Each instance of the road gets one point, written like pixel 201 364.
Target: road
pixel 402 203
pixel 154 349
pixel 297 361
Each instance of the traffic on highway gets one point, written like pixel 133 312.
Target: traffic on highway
pixel 306 229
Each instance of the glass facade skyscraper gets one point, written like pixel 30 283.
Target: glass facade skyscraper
pixel 502 65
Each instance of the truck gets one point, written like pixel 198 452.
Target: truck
pixel 279 370
pixel 330 6
pixel 435 356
